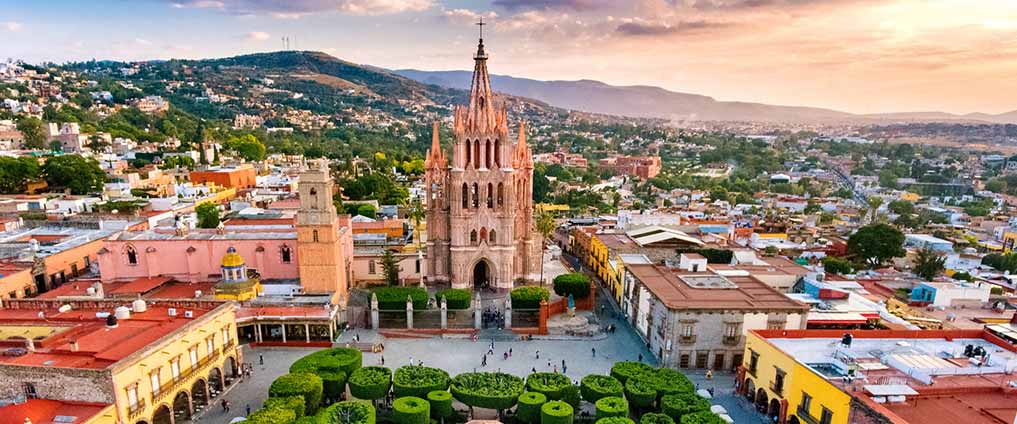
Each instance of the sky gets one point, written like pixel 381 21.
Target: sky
pixel 861 56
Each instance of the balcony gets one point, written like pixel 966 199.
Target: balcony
pixel 804 416
pixel 686 340
pixel 777 389
pixel 134 411
pixel 177 382
pixel 732 340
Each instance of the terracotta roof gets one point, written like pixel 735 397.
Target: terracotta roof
pixel 673 289
pixel 45 411
pixel 140 285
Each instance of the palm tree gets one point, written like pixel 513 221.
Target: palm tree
pixel 545 226
pixel 874 203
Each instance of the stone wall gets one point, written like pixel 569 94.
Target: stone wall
pixel 57 383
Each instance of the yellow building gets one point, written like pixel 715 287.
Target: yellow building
pixel 551 207
pixel 145 363
pixel 1009 241
pixel 236 284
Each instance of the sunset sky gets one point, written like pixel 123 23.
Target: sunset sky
pixel 862 56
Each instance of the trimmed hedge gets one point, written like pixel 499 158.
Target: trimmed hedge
pixel 528 410
pixel 299 384
pixel 370 383
pixel 570 395
pixel 640 393
pixel 678 406
pixel 393 298
pixel 622 371
pixel 556 412
pixel 441 404
pixel 417 381
pixel 487 389
pixel 454 298
pixel 702 417
pixel 333 383
pixel 594 387
pixel 671 382
pixel 615 420
pixel 342 359
pixel 655 418
pixel 528 297
pixel 548 383
pixel 271 416
pixel 348 412
pixel 575 284
pixel 411 410
pixel 612 407
pixel 292 403
pixel 309 420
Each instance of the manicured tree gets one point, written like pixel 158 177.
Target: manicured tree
pixel 271 416
pixel 556 412
pixel 671 382
pixel 677 406
pixel 615 420
pixel 334 384
pixel 411 410
pixel 528 410
pixel 528 297
pixel 419 381
pixel 342 359
pixel 640 393
pixel 702 417
pixel 457 299
pixel 348 412
pixel 370 383
pixel 595 387
pixel 299 384
pixel 570 394
pixel 548 383
pixel 612 407
pixel 487 390
pixel 624 370
pixel 575 284
pixel 441 404
pixel 292 403
pixel 655 418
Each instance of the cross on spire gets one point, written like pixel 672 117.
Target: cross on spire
pixel 481 25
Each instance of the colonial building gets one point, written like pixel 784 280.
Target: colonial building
pixel 480 205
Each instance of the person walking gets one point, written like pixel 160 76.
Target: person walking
pixel 538 353
pixel 248 409
pixel 261 359
pixel 383 359
pixel 640 357
pixel 594 350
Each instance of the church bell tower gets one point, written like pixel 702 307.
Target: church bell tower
pixel 320 259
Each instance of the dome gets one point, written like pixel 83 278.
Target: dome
pixel 232 259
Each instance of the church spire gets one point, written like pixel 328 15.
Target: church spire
pixel 481 115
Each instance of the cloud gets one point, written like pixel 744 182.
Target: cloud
pixel 758 4
pixel 643 28
pixel 466 16
pixel 258 36
pixel 11 26
pixel 577 5
pixel 292 9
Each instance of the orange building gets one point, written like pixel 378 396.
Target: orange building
pixel 392 228
pixel 51 255
pixel 243 176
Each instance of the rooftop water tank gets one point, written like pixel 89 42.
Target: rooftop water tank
pixel 139 306
pixel 122 312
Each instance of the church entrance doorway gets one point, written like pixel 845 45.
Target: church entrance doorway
pixel 481 275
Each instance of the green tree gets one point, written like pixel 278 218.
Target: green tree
pixel 929 263
pixel 15 173
pixel 208 215
pixel 545 226
pixel 902 207
pixel 33 131
pixel 876 243
pixel 248 147
pixel 390 267
pixel 835 265
pixel 367 210
pixel 79 174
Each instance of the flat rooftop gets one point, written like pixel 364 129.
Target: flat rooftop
pixel 51 240
pixel 679 289
pixel 98 346
pixel 43 411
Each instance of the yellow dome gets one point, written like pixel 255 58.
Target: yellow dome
pixel 232 259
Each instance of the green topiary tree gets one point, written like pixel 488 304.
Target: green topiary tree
pixel 342 359
pixel 612 407
pixel 487 390
pixel 595 387
pixel 299 384
pixel 677 406
pixel 411 410
pixel 655 418
pixel 348 412
pixel 615 420
pixel 570 395
pixel 528 410
pixel 292 403
pixel 702 417
pixel 548 383
pixel 575 284
pixel 670 382
pixel 370 383
pixel 528 297
pixel 419 381
pixel 394 298
pixel 457 299
pixel 624 370
pixel 271 416
pixel 640 393
pixel 556 412
pixel 441 404
pixel 334 384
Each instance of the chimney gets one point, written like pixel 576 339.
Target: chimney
pixel 30 345
pixel 74 345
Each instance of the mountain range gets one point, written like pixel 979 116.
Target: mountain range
pixel 655 102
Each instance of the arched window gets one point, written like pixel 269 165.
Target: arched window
pixel 488 154
pixel 314 198
pixel 490 195
pixel 476 196
pixel 476 154
pixel 466 196
pixel 483 235
pixel 314 235
pixel 467 153
pixel 287 256
pixel 501 194
pixel 473 237
pixel 132 255
pixel 492 237
pixel 497 153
